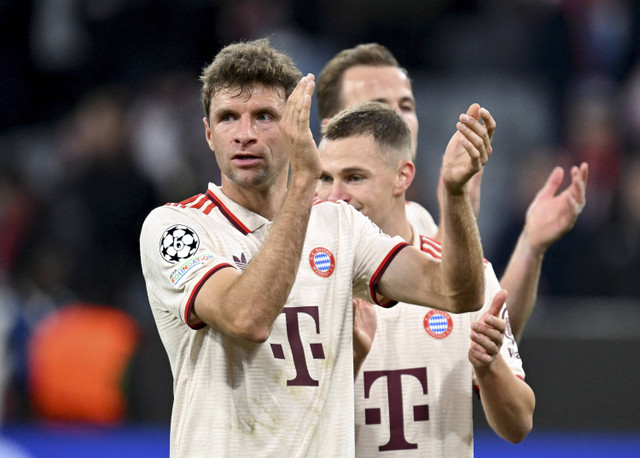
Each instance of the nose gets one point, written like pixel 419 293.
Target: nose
pixel 395 107
pixel 339 192
pixel 246 132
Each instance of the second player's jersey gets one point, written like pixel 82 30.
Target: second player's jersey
pixel 293 394
pixel 414 390
pixel 421 217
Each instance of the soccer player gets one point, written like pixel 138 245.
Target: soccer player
pixel 414 389
pixel 371 72
pixel 251 283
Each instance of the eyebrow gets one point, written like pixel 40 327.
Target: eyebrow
pixel 354 170
pixel 403 99
pixel 222 112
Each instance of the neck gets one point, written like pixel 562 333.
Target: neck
pixel 263 200
pixel 397 222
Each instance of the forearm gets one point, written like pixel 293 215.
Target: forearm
pixel 508 402
pixel 462 270
pixel 521 279
pixel 250 304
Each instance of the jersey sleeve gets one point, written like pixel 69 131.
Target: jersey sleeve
pixel 177 257
pixel 374 252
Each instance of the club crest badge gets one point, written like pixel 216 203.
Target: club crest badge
pixel 322 261
pixel 178 243
pixel 438 324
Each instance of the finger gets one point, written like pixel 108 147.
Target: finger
pixel 554 180
pixel 305 104
pixel 584 170
pixel 481 333
pixel 471 142
pixel 474 111
pixel 490 345
pixel 578 185
pixel 292 104
pixel 488 121
pixel 477 134
pixel 478 353
pixel 491 327
pixel 476 163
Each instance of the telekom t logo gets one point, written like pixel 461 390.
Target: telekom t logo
pixel 372 416
pixel 303 378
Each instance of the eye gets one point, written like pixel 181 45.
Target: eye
pixel 264 117
pixel 226 117
pixel 325 179
pixel 355 178
pixel 407 107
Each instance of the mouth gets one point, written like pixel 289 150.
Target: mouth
pixel 246 159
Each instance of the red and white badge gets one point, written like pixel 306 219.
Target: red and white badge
pixel 438 324
pixel 322 261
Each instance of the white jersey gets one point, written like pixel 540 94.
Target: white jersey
pixel 414 390
pixel 293 394
pixel 419 216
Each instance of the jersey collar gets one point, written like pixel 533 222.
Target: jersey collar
pixel 241 218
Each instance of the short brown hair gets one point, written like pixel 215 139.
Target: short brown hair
pixel 245 63
pixel 389 130
pixel 329 86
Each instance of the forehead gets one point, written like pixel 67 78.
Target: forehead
pixel 352 153
pixel 248 97
pixel 363 83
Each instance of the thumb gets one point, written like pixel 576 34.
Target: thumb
pixel 497 302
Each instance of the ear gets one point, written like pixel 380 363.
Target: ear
pixel 323 123
pixel 404 177
pixel 207 133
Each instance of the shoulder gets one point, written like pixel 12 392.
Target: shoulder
pixel 335 209
pixel 421 217
pixel 194 208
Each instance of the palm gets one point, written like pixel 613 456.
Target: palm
pixel 365 324
pixel 549 216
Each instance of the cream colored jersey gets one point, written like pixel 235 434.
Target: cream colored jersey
pixel 293 394
pixel 419 216
pixel 414 390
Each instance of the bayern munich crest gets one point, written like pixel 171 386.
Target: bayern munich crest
pixel 178 243
pixel 438 324
pixel 322 261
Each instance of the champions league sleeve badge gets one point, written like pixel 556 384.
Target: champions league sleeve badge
pixel 438 324
pixel 178 243
pixel 322 261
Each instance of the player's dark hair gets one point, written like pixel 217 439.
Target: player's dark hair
pixel 245 63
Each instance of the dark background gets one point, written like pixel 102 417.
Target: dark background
pixel 100 121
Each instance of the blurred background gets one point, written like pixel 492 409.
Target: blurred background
pixel 101 121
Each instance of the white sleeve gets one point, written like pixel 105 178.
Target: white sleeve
pixel 374 251
pixel 177 256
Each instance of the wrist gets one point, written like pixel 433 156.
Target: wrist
pixel 303 182
pixel 531 249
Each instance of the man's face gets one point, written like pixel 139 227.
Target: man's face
pixel 389 85
pixel 244 133
pixel 355 171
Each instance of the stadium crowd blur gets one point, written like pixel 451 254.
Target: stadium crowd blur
pixel 100 121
